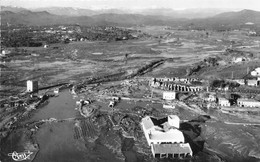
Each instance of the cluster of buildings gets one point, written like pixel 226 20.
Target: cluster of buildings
pixel 32 86
pixel 171 90
pixel 248 82
pixel 165 138
pixel 14 103
pixel 172 86
pixel 254 81
pixel 241 102
pixel 177 79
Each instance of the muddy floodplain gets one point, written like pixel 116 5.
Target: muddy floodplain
pixel 56 131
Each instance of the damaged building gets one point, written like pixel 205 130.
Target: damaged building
pixel 165 138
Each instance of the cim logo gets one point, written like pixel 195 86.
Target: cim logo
pixel 20 156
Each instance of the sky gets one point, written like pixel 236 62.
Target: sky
pixel 136 4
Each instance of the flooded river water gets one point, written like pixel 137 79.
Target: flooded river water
pixel 56 140
pixel 60 107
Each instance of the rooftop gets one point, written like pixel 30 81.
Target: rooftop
pixel 171 134
pixel 150 122
pixel 246 100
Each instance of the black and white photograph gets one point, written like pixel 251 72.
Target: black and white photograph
pixel 130 81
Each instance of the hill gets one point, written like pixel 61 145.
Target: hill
pixel 67 11
pixel 227 20
pixel 134 19
pixel 223 21
pixel 168 12
pixel 13 9
pixel 243 16
pixel 40 18
pixel 45 18
pixel 190 13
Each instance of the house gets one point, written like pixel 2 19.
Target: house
pixel 256 72
pixel 115 98
pixel 112 104
pixel 239 59
pixel 223 102
pixel 226 88
pixel 242 102
pixel 5 52
pixel 169 95
pixel 56 90
pixel 164 137
pixel 212 98
pixel 252 82
pixel 32 86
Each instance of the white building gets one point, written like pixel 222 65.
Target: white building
pixel 32 86
pixel 256 72
pixel 5 52
pixel 252 82
pixel 56 90
pixel 169 95
pixel 223 102
pixel 212 98
pixel 164 137
pixel 239 59
pixel 178 150
pixel 112 104
pixel 248 103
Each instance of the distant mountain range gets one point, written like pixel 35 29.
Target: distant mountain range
pixel 231 19
pixel 12 9
pixel 45 18
pixel 187 13
pixel 71 11
pixel 189 17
